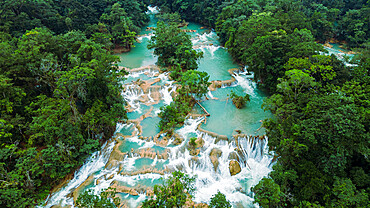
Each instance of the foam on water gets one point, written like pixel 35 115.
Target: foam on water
pixel 248 85
pixel 255 162
pixel 93 164
pixel 153 10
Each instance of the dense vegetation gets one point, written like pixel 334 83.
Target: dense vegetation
pixel 320 128
pixel 60 92
pixel 175 51
pixel 109 22
pixel 177 190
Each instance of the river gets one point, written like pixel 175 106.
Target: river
pixel 137 157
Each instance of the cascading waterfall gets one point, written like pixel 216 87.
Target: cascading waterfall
pixel 140 162
pixel 254 162
pixel 94 163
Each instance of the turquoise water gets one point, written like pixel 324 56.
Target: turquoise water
pixel 225 117
pixel 217 64
pixel 150 126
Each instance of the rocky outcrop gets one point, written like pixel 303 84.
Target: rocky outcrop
pixel 214 155
pixel 234 167
pixel 234 156
pixel 151 153
pixel 221 137
pixel 79 189
pixel 116 156
pixel 199 142
pixel 145 171
pixel 178 139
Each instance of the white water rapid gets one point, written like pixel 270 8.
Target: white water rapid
pixel 134 163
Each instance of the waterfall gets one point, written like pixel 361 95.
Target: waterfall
pixel 254 161
pixel 124 165
pixel 93 164
pixel 246 83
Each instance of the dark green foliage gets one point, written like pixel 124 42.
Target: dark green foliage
pixel 267 193
pixel 173 192
pixel 173 47
pixel 238 100
pixel 320 132
pixel 60 100
pixel 219 201
pixel 63 16
pixel 106 199
pixel 120 26
pixel 170 18
pixel 268 54
pixel 204 12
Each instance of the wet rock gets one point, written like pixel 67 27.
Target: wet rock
pixel 79 189
pixel 125 189
pixel 221 137
pixel 178 139
pixel 110 177
pixel 116 156
pixel 149 192
pixel 194 152
pixel 144 98
pixel 201 205
pixel 234 156
pixel 199 142
pixel 234 167
pixel 214 155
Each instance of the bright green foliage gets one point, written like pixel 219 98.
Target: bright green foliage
pixel 173 192
pixel 173 115
pixel 346 195
pixel 192 141
pixel 297 81
pixel 268 54
pixel 238 100
pixel 219 201
pixel 106 199
pixel 267 193
pixel 174 47
pixel 194 82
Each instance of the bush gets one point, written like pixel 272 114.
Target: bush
pixel 238 100
pixel 219 201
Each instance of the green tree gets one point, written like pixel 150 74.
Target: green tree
pixel 219 201
pixel 105 199
pixel 173 192
pixel 238 100
pixel 173 47
pixel 267 193
pixel 194 82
